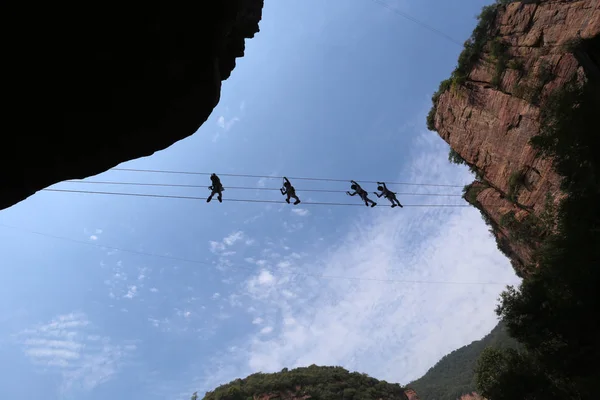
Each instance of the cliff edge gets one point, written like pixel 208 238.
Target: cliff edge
pixel 492 106
pixel 89 86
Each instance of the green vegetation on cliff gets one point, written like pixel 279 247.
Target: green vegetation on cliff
pixel 320 383
pixel 468 57
pixel 555 313
pixel 454 374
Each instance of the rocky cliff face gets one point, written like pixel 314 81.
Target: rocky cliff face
pixel 472 396
pixel 490 110
pixel 87 87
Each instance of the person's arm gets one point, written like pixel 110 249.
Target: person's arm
pixel 286 179
pixel 377 194
pixel 283 191
pixel 351 194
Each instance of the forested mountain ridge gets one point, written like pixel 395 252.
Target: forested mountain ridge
pixel 454 375
pixel 313 382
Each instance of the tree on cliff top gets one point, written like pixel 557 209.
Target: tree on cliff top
pixel 468 57
pixel 320 383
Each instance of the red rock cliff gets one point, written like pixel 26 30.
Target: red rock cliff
pixel 489 116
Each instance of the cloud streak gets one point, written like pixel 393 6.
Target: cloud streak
pixel 65 345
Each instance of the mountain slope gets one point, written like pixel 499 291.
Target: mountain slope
pixel 453 376
pixel 319 383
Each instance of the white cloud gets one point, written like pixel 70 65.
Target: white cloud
pixel 93 237
pixel 301 212
pixel 98 231
pixel 63 345
pixel 216 246
pixel 216 295
pixel 234 237
pixel 293 227
pixel 154 290
pixel 266 330
pixel 242 105
pixel 265 278
pixel 284 264
pixel 257 321
pixel 142 274
pixel 228 241
pixel 132 292
pixel 421 295
pixel 226 124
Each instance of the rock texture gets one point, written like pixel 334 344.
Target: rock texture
pixel 489 119
pixel 472 396
pixel 411 394
pixel 88 86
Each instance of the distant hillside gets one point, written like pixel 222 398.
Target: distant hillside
pixel 453 375
pixel 319 383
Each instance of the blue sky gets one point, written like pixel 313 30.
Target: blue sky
pixel 334 89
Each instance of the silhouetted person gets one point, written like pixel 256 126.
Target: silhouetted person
pixel 216 188
pixel 362 193
pixel 289 190
pixel 391 196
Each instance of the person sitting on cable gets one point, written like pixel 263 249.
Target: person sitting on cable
pixel 289 190
pixel 362 193
pixel 216 188
pixel 388 194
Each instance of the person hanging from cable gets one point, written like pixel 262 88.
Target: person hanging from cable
pixel 362 193
pixel 215 188
pixel 289 190
pixel 388 194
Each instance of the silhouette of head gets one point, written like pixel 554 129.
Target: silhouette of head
pixel 353 187
pixel 380 188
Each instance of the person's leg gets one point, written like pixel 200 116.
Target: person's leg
pixel 398 202
pixel 297 200
pixel 287 200
pixel 220 196
pixel 364 198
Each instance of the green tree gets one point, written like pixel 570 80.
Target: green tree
pixel 320 383
pixel 506 374
pixel 455 158
pixel 453 375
